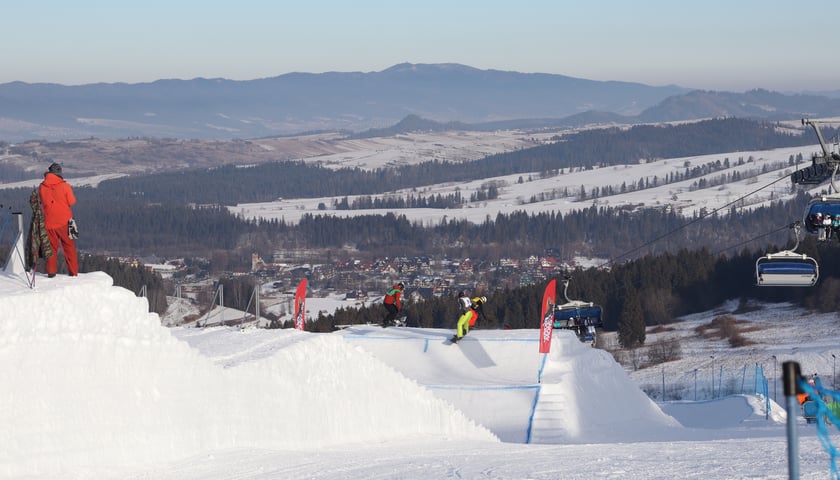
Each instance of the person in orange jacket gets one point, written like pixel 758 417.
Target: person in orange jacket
pixel 56 199
pixel 804 397
pixel 393 303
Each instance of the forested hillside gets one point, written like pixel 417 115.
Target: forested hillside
pixel 233 184
pixel 180 214
pixel 123 227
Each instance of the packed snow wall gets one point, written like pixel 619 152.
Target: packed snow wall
pixel 90 379
pixel 574 394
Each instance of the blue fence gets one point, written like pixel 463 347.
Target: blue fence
pixel 708 384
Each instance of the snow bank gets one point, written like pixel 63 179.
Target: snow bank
pixel 91 379
pixel 582 395
pixel 601 403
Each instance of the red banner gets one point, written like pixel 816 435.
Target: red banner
pixel 547 319
pixel 300 305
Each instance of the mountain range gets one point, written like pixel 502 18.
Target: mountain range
pixel 354 102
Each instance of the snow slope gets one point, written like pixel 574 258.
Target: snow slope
pixel 765 178
pixel 97 381
pixel 94 387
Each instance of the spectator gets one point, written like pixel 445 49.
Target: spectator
pixel 835 226
pixel 57 198
pixel 827 227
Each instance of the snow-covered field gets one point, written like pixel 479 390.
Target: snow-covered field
pixel 781 330
pixel 764 180
pixel 95 387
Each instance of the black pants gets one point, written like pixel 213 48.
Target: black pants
pixel 392 313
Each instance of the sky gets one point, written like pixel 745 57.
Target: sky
pixel 710 45
pixel 95 387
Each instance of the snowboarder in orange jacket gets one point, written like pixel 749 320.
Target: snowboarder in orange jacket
pixel 393 303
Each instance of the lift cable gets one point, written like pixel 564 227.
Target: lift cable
pixel 783 227
pixel 693 221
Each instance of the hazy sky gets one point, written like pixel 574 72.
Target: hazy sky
pixel 732 45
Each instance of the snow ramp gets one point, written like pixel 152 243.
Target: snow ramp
pixel 575 394
pixel 91 380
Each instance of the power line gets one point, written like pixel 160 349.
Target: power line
pixel 788 226
pixel 693 221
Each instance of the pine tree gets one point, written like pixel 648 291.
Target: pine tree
pixel 631 325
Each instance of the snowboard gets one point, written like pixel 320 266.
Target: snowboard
pixel 451 340
pixel 397 322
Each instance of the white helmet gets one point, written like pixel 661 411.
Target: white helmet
pixel 483 299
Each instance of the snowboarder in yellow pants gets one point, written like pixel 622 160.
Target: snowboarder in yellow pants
pixel 469 317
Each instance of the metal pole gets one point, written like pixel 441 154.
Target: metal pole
pixel 257 302
pixel 775 379
pixel 29 280
pixel 713 375
pixel 743 377
pixel 663 383
pixel 791 374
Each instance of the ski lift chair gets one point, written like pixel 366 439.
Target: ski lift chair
pixel 787 268
pixel 581 317
pixel 821 206
pixel 824 205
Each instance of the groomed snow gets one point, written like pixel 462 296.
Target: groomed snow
pixel 94 387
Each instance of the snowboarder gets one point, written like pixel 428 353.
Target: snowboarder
pixel 470 316
pixel 56 199
pixel 393 303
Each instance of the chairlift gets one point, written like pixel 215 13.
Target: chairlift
pixel 581 317
pixel 571 314
pixel 824 166
pixel 787 268
pixel 817 211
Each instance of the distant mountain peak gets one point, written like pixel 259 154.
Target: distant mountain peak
pixel 426 67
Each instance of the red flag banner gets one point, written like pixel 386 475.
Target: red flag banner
pixel 300 305
pixel 547 320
